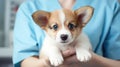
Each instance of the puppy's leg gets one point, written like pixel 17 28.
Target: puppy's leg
pixel 83 47
pixel 83 55
pixel 44 59
pixel 54 55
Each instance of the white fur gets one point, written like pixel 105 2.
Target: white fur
pixel 63 30
pixel 62 17
pixel 83 47
pixel 52 49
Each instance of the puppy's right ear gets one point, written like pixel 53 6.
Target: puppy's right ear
pixel 41 18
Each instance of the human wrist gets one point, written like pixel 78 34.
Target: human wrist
pixel 30 61
pixel 34 61
pixel 95 61
pixel 99 61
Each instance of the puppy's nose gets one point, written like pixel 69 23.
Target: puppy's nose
pixel 64 37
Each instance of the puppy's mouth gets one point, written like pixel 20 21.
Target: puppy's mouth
pixel 64 42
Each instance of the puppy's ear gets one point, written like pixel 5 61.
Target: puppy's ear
pixel 41 18
pixel 84 14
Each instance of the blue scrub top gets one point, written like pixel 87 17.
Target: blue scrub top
pixel 103 29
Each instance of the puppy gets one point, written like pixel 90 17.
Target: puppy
pixel 63 30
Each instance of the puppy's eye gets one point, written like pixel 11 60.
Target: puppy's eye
pixel 55 27
pixel 71 26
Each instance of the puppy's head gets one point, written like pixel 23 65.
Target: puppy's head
pixel 64 25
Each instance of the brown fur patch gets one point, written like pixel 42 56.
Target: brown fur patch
pixel 47 20
pixel 72 18
pixel 54 19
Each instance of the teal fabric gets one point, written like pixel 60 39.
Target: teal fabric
pixel 103 29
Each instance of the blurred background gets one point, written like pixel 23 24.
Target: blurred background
pixel 8 9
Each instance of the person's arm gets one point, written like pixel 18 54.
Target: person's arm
pixel 100 61
pixel 71 61
pixel 25 38
pixel 96 61
pixel 34 61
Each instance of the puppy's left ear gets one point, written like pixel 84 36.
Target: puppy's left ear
pixel 84 14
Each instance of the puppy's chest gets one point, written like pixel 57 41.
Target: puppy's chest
pixel 67 47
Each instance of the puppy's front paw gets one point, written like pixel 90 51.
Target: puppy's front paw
pixel 83 55
pixel 56 60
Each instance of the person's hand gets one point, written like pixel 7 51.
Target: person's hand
pixel 70 59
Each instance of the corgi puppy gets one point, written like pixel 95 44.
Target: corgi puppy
pixel 63 30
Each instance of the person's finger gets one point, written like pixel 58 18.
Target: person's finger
pixel 71 59
pixel 68 53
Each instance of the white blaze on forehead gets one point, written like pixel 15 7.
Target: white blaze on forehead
pixel 62 21
pixel 63 30
pixel 61 17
